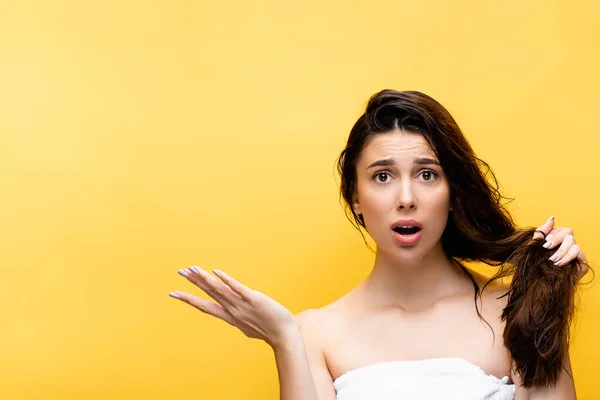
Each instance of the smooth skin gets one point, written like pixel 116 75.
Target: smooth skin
pixel 416 303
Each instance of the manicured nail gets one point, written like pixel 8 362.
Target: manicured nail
pixel 217 273
pixel 546 245
pixel 183 272
pixel 558 262
pixel 553 258
pixel 551 218
pixel 195 269
pixel 175 295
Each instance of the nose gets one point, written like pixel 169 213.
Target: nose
pixel 406 197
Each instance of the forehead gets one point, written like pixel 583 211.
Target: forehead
pixel 397 144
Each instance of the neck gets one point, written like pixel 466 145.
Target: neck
pixel 414 284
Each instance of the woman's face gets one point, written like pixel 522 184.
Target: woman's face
pixel 400 179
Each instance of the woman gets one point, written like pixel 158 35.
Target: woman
pixel 422 325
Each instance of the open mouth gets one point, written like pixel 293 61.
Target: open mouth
pixel 407 230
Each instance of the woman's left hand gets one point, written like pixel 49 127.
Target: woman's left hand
pixel 568 250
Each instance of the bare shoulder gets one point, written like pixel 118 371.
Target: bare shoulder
pixel 322 326
pixel 310 320
pixel 495 297
pixel 492 298
pixel 494 294
pixel 316 326
pixel 316 320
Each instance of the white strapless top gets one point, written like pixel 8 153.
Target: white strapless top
pixel 435 378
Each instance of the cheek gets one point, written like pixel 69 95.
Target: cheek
pixel 377 202
pixel 441 205
pixel 376 207
pixel 439 198
pixel 439 208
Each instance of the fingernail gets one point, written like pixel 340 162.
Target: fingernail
pixel 558 262
pixel 551 218
pixel 549 237
pixel 217 272
pixel 184 273
pixel 547 244
pixel 175 295
pixel 553 258
pixel 195 269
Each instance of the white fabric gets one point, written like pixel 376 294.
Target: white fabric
pixel 438 378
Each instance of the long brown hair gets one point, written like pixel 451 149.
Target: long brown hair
pixel 540 302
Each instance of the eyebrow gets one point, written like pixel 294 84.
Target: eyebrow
pixel 390 161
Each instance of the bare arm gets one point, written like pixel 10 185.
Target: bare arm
pixel 303 373
pixel 295 379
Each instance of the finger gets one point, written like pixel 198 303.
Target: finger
pixel 211 286
pixel 243 291
pixel 545 228
pixel 555 238
pixel 206 306
pixel 583 268
pixel 581 257
pixel 216 288
pixel 563 249
pixel 570 255
pixel 582 265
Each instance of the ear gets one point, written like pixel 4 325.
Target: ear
pixel 356 205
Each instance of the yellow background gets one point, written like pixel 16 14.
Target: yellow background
pixel 142 137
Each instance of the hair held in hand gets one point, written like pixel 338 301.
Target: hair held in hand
pixel 540 303
pixel 539 309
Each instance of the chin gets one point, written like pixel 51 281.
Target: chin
pixel 407 253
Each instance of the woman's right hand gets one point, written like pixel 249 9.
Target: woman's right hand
pixel 255 314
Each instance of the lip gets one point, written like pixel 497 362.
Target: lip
pixel 407 240
pixel 407 222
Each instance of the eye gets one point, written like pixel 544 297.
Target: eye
pixel 379 174
pixel 428 174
